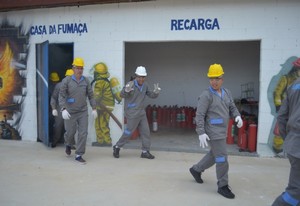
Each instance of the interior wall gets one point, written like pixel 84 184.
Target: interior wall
pixel 180 68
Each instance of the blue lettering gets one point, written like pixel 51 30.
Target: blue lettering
pixel 194 24
pixel 201 24
pixel 38 30
pixel 187 24
pixel 174 24
pixel 180 24
pixel 216 24
pixel 72 28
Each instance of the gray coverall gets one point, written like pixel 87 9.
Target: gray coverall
pixel 212 116
pixel 136 114
pixel 72 97
pixel 58 120
pixel 289 127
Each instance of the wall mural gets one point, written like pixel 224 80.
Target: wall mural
pixel 107 93
pixel 13 54
pixel 289 72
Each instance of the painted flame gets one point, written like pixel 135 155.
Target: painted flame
pixel 8 76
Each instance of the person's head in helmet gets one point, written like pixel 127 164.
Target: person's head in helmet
pixel 78 65
pixel 69 72
pixel 140 74
pixel 101 70
pixel 215 75
pixel 54 77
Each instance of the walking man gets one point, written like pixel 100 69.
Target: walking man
pixel 215 107
pixel 73 93
pixel 289 128
pixel 134 93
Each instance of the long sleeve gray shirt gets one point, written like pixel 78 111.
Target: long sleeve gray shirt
pixel 54 97
pixel 73 94
pixel 135 99
pixel 289 120
pixel 213 113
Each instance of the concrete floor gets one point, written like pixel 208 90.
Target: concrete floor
pixel 32 174
pixel 186 140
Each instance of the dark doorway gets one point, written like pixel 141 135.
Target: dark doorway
pixel 50 58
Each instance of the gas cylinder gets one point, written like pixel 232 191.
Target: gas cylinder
pixel 243 129
pixel 252 137
pixel 159 115
pixel 178 117
pixel 183 117
pixel 173 116
pixel 194 117
pixel 116 89
pixel 167 116
pixel 189 117
pixel 230 132
pixel 154 119
pixel 242 141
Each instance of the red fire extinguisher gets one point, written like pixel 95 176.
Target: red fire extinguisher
pixel 242 135
pixel 173 117
pixel 194 117
pixel 159 115
pixel 149 114
pixel 189 117
pixel 168 117
pixel 154 119
pixel 242 141
pixel 252 137
pixel 183 117
pixel 230 132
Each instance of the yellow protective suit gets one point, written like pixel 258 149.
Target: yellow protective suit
pixel 104 98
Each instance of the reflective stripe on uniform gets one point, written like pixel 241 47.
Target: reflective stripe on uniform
pixel 289 199
pixel 220 159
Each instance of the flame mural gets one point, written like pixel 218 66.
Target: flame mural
pixel 12 80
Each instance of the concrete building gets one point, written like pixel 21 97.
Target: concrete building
pixel 255 41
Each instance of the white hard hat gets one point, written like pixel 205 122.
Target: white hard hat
pixel 141 71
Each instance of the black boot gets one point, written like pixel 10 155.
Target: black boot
pixel 116 151
pixel 196 175
pixel 226 192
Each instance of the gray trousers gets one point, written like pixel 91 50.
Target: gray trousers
pixel 78 121
pixel 217 155
pixel 58 128
pixel 291 196
pixel 142 124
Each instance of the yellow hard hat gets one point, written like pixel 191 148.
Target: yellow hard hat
pixel 69 72
pixel 101 68
pixel 215 70
pixel 54 77
pixel 78 62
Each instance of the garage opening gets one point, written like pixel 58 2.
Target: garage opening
pixel 181 68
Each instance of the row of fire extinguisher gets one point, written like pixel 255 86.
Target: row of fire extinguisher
pixel 246 135
pixel 184 117
pixel 170 116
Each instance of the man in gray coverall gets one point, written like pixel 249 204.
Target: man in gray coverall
pixel 58 120
pixel 215 107
pixel 73 93
pixel 134 93
pixel 289 128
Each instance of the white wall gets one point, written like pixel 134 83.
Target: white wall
pixel 274 22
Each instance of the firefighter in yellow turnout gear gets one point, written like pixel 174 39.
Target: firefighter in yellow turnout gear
pixel 280 94
pixel 105 100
